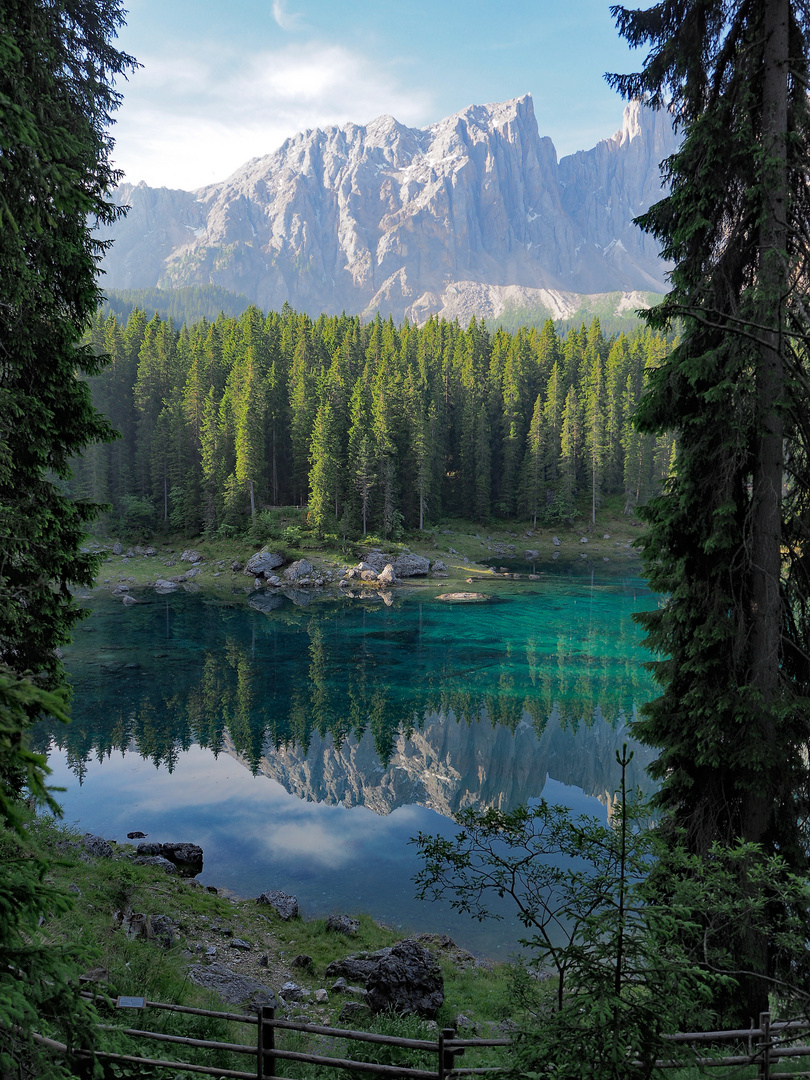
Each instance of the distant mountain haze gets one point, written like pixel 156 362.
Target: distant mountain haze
pixel 473 215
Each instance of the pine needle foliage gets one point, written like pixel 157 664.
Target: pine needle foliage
pixel 727 540
pixel 57 66
pixel 57 72
pixel 38 980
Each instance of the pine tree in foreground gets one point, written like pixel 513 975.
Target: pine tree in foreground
pixel 727 540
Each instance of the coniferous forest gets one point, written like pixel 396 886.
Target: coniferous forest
pixel 374 427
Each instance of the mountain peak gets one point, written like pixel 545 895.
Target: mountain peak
pixel 385 127
pixel 631 123
pixel 493 116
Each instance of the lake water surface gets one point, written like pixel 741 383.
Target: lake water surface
pixel 302 744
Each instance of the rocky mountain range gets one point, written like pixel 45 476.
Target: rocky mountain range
pixel 450 765
pixel 472 215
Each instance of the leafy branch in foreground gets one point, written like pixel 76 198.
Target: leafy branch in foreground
pixel 613 910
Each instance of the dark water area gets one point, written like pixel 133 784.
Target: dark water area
pixel 302 742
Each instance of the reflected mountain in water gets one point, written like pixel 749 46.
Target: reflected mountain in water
pixel 449 765
pixel 343 703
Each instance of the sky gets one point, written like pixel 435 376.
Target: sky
pixel 221 83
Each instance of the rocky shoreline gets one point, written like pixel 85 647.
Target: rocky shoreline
pixel 272 571
pixel 245 950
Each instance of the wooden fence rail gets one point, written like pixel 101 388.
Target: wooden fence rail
pixel 768 1045
pixel 768 1048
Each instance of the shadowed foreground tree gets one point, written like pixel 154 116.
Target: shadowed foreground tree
pixel 727 540
pixel 57 66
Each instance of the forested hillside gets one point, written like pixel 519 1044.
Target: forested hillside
pixel 185 305
pixel 375 427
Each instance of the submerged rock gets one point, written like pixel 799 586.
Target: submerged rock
pixel 264 601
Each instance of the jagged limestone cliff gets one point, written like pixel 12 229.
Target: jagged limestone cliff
pixel 473 215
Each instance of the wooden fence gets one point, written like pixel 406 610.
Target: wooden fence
pixel 762 1047
pixel 266 1054
pixel 768 1044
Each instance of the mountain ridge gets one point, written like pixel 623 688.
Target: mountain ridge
pixel 469 216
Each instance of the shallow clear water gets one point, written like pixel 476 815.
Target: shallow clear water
pixel 303 746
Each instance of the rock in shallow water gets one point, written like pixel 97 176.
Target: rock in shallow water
pixel 191 854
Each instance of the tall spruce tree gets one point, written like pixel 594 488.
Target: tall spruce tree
pixel 57 66
pixel 727 541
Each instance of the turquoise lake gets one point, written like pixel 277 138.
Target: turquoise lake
pixel 302 741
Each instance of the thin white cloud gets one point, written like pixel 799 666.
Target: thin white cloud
pixel 287 20
pixel 192 120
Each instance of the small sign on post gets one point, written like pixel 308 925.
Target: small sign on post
pixel 131 1003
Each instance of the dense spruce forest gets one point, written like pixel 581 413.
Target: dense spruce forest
pixel 375 427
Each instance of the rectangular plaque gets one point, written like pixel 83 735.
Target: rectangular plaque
pixel 131 1003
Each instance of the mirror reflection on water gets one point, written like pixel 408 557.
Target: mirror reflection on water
pixel 303 741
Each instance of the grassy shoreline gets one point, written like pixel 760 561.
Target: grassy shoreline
pixel 205 924
pixel 465 550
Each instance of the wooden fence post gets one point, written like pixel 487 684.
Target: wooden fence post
pixel 764 1071
pixel 266 1061
pixel 447 1057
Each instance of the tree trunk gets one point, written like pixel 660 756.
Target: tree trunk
pixel 759 803
pixel 275 469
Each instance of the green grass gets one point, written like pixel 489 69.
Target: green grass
pixel 485 996
pixel 311 938
pixel 102 887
